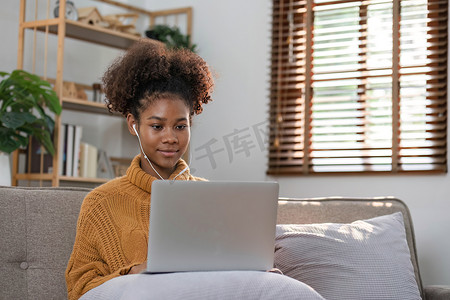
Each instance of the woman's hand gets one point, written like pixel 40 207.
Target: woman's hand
pixel 139 268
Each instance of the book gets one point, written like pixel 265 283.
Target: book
pixel 92 161
pixel 83 159
pixel 88 160
pixel 69 149
pixel 61 149
pixel 78 132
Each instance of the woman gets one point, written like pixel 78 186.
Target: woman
pixel 158 91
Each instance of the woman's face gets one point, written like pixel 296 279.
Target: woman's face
pixel 164 130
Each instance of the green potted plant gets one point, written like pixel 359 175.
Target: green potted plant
pixel 23 99
pixel 171 36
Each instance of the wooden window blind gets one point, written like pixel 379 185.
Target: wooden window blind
pixel 358 86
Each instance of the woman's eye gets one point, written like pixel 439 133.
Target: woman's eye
pixel 157 127
pixel 181 127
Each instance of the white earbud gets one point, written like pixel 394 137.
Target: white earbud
pixel 151 165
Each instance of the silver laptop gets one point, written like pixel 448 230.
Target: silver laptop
pixel 211 226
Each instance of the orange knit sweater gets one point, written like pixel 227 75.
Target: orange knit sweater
pixel 112 229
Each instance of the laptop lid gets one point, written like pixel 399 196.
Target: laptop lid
pixel 212 226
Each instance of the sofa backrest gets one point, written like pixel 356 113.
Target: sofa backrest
pixel 38 226
pixel 347 210
pixel 37 231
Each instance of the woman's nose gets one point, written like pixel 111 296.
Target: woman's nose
pixel 170 136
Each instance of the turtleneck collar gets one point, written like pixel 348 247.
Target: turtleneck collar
pixel 143 180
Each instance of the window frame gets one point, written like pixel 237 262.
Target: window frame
pixel 298 159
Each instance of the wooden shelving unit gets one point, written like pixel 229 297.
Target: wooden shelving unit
pixel 85 106
pixel 64 29
pixel 87 33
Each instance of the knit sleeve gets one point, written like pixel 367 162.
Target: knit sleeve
pixel 93 260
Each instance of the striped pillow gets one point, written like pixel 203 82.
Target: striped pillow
pixel 367 259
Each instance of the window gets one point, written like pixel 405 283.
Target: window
pixel 358 86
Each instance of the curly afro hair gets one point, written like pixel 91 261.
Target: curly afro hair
pixel 148 70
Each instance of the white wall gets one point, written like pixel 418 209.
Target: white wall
pixel 234 38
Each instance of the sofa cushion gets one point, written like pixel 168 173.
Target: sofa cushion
pixel 347 210
pixel 367 259
pixel 38 227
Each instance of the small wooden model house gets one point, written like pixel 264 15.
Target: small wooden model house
pixel 122 22
pixel 89 15
pixel 70 90
pixel 81 94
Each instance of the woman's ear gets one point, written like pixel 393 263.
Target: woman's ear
pixel 131 121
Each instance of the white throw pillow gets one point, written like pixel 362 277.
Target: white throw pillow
pixel 367 259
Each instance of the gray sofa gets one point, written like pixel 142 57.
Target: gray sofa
pixel 37 230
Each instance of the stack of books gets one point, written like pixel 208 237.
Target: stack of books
pixel 78 159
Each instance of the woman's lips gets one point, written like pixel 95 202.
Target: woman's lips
pixel 168 153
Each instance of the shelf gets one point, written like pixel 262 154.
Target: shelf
pixel 34 176
pixel 38 176
pixel 88 33
pixel 86 106
pixel 83 179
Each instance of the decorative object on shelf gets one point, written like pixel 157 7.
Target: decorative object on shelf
pixel 97 92
pixel 122 22
pixel 34 164
pixel 90 15
pixel 71 11
pixel 171 36
pixel 73 91
pixel 23 97
pixel 81 94
pixel 69 90
pixel 104 167
pixel 120 165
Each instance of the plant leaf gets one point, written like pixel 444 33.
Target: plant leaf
pixel 14 119
pixel 171 36
pixel 31 90
pixel 23 97
pixel 52 101
pixel 43 136
pixel 8 144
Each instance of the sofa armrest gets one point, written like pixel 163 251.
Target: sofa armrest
pixel 437 292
